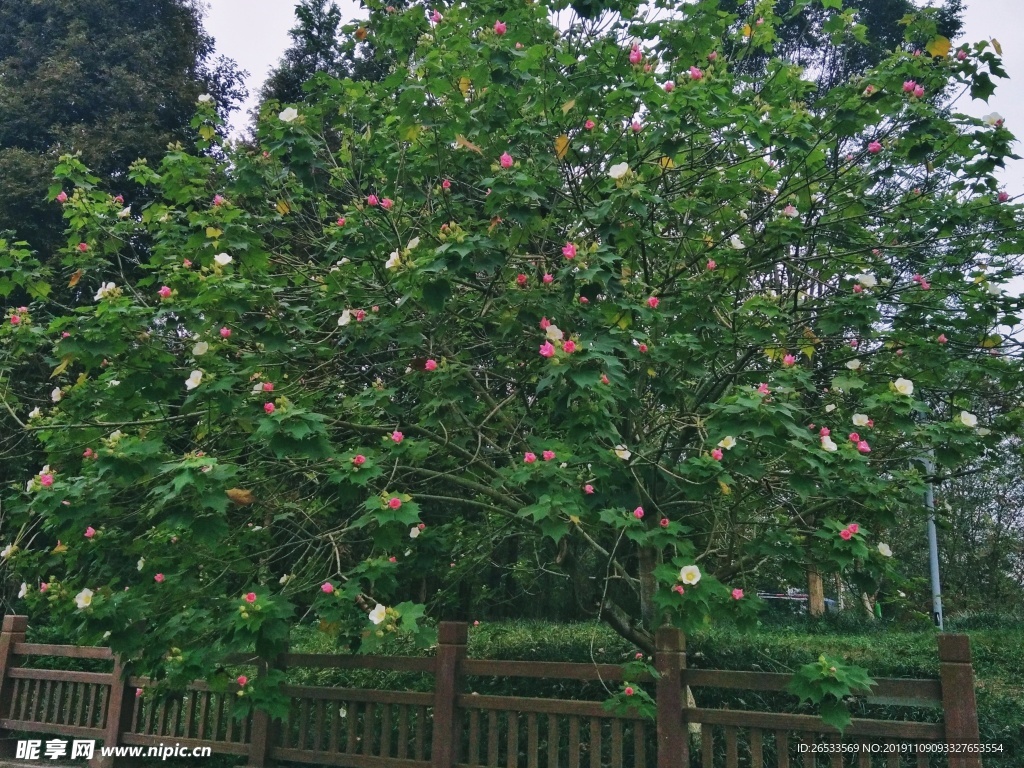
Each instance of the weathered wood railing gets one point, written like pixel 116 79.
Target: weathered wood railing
pixel 450 726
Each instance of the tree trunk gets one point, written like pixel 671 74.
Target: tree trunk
pixel 815 593
pixel 648 561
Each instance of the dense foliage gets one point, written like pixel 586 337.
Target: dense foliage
pixel 587 300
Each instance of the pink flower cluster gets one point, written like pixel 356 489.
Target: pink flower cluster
pixel 913 88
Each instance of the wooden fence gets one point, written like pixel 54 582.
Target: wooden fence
pixel 449 727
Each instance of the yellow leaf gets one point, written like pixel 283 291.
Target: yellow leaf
pixel 992 341
pixel 774 353
pixel 574 519
pixel 939 47
pixel 462 141
pixel 240 496
pixel 412 132
pixel 726 490
pixel 561 146
pixel 997 46
pixel 361 33
pixel 747 31
pixel 652 373
pixel 666 162
pixel 624 321
pixel 464 85
pixel 60 548
pixel 82 378
pixel 568 105
pixel 808 352
pixel 213 233
pixel 75 278
pixel 62 367
pixel 282 207
pixel 207 132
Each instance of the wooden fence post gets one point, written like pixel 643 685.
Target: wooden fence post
pixel 959 707
pixel 13 632
pixel 451 650
pixel 670 661
pixel 264 729
pixel 120 706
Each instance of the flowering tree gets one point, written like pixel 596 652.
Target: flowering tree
pixel 584 285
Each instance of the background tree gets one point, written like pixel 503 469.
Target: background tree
pixel 112 79
pixel 539 298
pixel 314 48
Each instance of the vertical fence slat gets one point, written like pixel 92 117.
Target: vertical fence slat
pixel 616 743
pixel 922 760
pixel 807 741
pixel 836 759
pixel 574 742
pixel 639 744
pixel 12 631
pixel 421 732
pixel 369 727
pixel 512 740
pixel 80 709
pixel 474 737
pixel 188 714
pixel 532 741
pixel 492 738
pixel 782 748
pixel 731 749
pixel 403 731
pixel 553 742
pixel 25 698
pixel 333 739
pixel 864 758
pixel 353 716
pixel 58 702
pixel 204 703
pixel 42 702
pixel 892 760
pixel 595 742
pixel 318 732
pixel 215 733
pixel 707 746
pixel 756 748
pixel 385 731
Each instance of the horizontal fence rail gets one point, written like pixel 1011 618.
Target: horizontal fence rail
pixel 451 726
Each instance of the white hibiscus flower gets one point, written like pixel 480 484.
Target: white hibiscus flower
pixel 968 419
pixel 193 381
pixel 618 170
pixel 377 614
pixel 689 574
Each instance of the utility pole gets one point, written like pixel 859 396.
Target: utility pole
pixel 933 541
